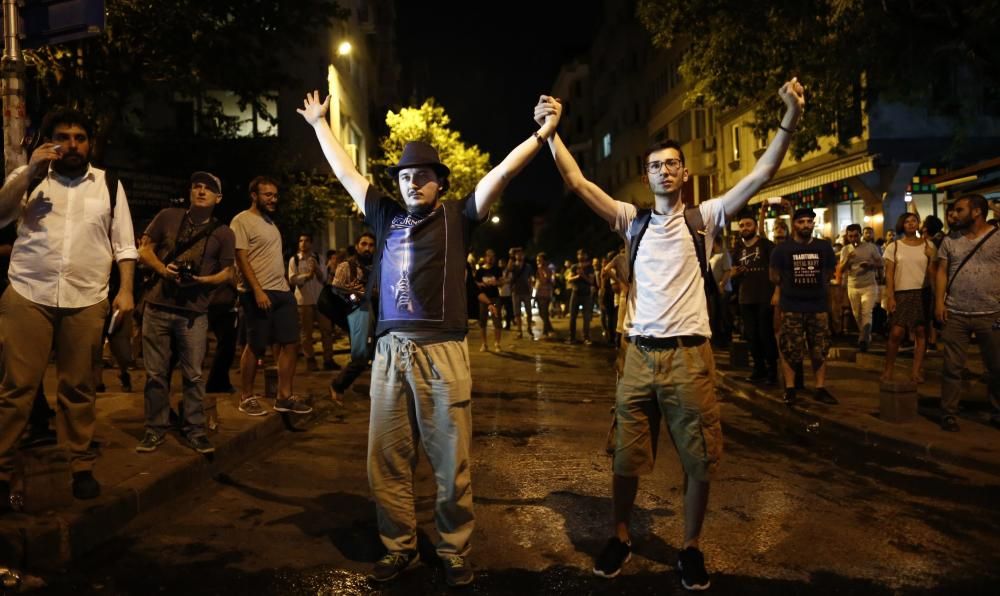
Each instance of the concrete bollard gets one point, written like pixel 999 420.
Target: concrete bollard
pixel 739 353
pixel 271 382
pixel 897 401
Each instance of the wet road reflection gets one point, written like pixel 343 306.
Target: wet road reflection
pixel 790 512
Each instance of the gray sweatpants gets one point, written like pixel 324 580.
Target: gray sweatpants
pixel 425 392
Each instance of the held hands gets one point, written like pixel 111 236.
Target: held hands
pixel 312 110
pixel 548 110
pixel 793 94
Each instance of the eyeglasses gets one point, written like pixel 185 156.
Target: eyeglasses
pixel 673 166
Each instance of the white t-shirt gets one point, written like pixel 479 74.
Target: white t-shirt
pixel 911 264
pixel 667 297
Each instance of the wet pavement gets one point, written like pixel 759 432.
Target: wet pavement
pixel 788 514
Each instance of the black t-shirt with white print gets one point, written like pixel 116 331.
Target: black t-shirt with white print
pixel 421 268
pixel 805 274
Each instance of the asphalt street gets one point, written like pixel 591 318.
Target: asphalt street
pixel 788 514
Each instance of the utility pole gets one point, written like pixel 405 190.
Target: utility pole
pixel 14 113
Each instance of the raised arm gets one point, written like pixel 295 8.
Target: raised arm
pixel 792 94
pixel 599 201
pixel 492 185
pixel 343 166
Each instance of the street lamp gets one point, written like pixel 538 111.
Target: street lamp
pixel 495 219
pixel 344 48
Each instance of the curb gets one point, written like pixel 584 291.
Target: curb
pixel 815 425
pixel 51 540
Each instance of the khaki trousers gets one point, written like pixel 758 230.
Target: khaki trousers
pixel 30 332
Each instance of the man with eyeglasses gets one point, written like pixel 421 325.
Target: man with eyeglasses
pixel 669 368
pixel 266 300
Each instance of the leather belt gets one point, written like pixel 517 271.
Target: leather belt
pixel 667 343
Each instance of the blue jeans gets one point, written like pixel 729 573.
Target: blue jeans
pixel 189 333
pixel 359 324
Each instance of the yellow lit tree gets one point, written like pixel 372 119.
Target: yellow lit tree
pixel 429 123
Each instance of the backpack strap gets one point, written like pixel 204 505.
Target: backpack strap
pixel 966 259
pixel 696 226
pixel 636 230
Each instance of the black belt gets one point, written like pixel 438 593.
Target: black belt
pixel 667 343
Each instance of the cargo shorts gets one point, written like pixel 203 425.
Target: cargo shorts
pixel 675 384
pixel 802 329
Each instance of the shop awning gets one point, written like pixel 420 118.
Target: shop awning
pixel 833 173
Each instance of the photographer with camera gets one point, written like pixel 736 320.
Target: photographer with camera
pixel 349 283
pixel 191 253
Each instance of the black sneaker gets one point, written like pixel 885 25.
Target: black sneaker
pixel 691 564
pixel 150 441
pixel 85 486
pixel 126 380
pixel 457 571
pixel 790 397
pixel 823 396
pixel 950 424
pixel 200 443
pixel 390 566
pixel 615 554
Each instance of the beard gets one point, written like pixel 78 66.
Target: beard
pixel 71 165
pixel 748 235
pixel 364 259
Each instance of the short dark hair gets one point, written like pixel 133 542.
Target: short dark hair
pixel 256 182
pixel 933 225
pixel 364 235
pixel 65 117
pixel 977 201
pixel 306 235
pixel 901 221
pixel 657 146
pixel 330 253
pixel 853 228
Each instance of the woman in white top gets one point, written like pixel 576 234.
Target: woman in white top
pixel 909 267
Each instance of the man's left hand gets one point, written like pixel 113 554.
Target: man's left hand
pixel 793 94
pixel 123 304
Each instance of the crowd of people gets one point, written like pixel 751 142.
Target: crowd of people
pixel 903 289
pixel 664 297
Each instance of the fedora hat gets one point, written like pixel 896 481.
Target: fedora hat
pixel 418 153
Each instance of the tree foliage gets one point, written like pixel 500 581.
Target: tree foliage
pixel 308 201
pixel 846 52
pixel 430 123
pixel 180 48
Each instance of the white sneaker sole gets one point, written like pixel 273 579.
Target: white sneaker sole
pixel 600 573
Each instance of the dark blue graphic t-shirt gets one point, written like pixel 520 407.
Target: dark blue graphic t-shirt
pixel 422 265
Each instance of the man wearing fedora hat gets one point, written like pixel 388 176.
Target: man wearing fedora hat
pixel 191 253
pixel 421 385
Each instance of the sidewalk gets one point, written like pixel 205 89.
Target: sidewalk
pixel 56 528
pixel 854 380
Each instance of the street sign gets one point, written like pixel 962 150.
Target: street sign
pixel 47 22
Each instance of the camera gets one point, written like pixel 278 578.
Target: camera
pixel 185 271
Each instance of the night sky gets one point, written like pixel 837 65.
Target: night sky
pixel 486 65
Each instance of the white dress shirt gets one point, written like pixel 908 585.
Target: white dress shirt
pixel 67 240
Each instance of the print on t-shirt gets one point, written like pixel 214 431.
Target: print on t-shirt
pixel 413 266
pixel 806 272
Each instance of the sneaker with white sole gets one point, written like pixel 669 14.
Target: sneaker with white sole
pixel 150 441
pixel 615 554
pixel 691 564
pixel 390 566
pixel 292 404
pixel 251 406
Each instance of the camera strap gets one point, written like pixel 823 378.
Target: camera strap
pixel 182 247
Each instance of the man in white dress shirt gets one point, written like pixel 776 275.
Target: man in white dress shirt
pixel 70 231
